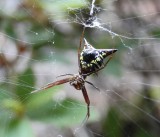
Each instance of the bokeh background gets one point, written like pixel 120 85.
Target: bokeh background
pixel 39 41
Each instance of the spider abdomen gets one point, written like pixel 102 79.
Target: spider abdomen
pixel 93 59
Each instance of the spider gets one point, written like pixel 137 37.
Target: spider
pixel 90 60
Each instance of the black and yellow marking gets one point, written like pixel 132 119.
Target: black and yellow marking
pixel 92 59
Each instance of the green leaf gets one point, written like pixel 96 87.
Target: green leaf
pixel 112 124
pixel 155 93
pixel 156 32
pixel 17 128
pixel 56 7
pixel 14 106
pixel 40 37
pixel 63 113
pixel 39 99
pixel 9 29
pixel 4 92
pixel 143 133
pixel 25 83
pixel 60 5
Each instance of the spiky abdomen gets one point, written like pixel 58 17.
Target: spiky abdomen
pixel 91 60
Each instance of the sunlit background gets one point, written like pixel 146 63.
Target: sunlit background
pixel 39 41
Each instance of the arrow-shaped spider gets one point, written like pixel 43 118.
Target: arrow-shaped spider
pixel 90 60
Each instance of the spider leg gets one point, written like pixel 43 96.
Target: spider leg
pixel 80 46
pixel 49 85
pixel 92 85
pixel 85 95
pixel 65 75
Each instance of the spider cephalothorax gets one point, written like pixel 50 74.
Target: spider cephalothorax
pixel 77 82
pixel 91 59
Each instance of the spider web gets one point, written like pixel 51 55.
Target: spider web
pixel 128 101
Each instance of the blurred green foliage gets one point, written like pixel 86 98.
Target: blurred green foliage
pixel 33 28
pixel 18 107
